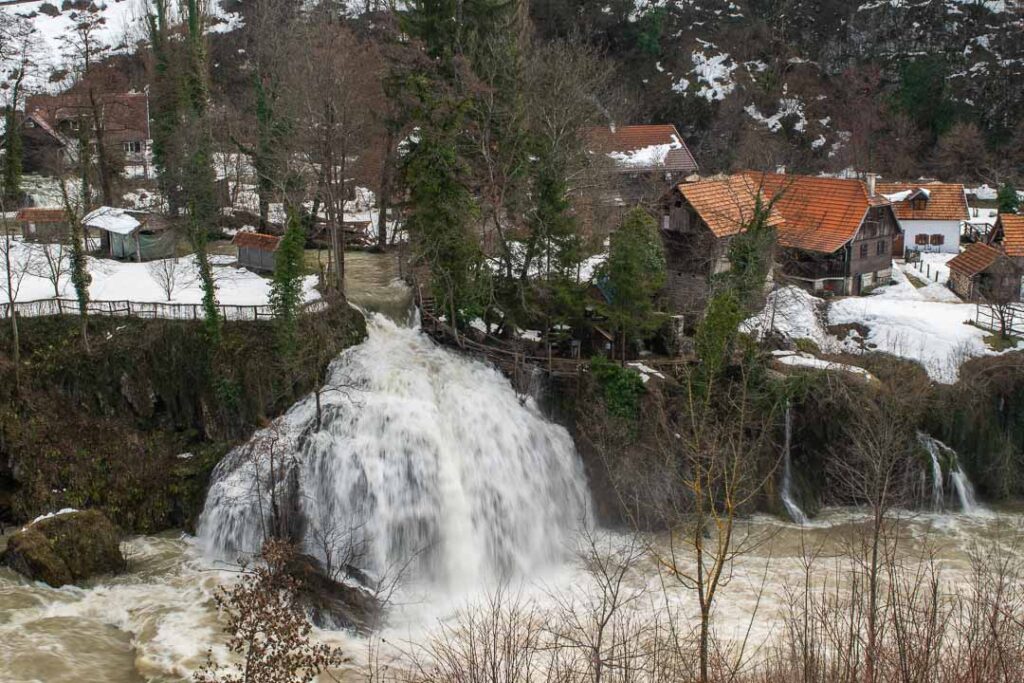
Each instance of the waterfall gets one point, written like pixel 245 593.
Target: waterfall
pixel 795 513
pixel 932 446
pixel 423 458
pixel 961 484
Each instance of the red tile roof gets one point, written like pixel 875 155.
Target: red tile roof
pixel 821 214
pixel 36 215
pixel 726 204
pixel 946 201
pixel 974 259
pixel 257 240
pixel 626 139
pixel 1012 232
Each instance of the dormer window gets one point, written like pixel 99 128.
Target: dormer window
pixel 919 203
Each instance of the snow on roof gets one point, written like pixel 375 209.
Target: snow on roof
pixel 646 157
pixel 112 220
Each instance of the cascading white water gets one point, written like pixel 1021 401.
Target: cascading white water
pixel 938 489
pixel 795 513
pixel 961 484
pixel 422 457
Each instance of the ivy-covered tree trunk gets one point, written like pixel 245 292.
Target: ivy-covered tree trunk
pixel 286 289
pixel 13 146
pixel 198 180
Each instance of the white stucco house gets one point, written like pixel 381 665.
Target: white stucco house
pixel 931 215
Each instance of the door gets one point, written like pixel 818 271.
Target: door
pixel 897 246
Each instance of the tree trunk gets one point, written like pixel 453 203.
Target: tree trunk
pixel 384 200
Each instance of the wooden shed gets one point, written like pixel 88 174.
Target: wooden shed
pixel 135 235
pixel 985 273
pixel 43 225
pixel 257 251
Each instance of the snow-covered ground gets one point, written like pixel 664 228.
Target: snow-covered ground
pixel 122 25
pixel 124 281
pixel 928 324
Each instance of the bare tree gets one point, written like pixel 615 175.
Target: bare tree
pixel 170 274
pixel 54 265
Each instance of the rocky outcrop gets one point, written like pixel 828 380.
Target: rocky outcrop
pixel 331 604
pixel 68 547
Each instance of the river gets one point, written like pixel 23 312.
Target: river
pixel 438 457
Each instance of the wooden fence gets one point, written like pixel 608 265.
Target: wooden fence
pixel 991 318
pixel 137 309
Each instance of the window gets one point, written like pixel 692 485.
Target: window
pixel 918 203
pixel 864 250
pixel 938 240
pixel 132 147
pixel 921 240
pixel 880 249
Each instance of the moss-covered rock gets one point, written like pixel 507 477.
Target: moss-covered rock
pixel 66 548
pixel 111 429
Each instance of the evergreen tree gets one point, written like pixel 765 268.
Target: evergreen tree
pixel 632 277
pixel 286 289
pixel 1007 199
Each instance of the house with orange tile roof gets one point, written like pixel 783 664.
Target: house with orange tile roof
pixel 645 158
pixel 931 215
pixel 985 273
pixel 836 234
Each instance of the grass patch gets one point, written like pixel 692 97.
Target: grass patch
pixel 914 280
pixel 998 343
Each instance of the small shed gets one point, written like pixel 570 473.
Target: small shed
pixel 985 273
pixel 43 225
pixel 256 250
pixel 134 234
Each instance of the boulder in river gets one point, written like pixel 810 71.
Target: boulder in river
pixel 332 604
pixel 64 548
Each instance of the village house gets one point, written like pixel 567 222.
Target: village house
pixel 698 221
pixel 51 123
pixel 257 251
pixel 837 233
pixel 43 225
pixel 834 235
pixel 931 215
pixel 985 273
pixel 646 159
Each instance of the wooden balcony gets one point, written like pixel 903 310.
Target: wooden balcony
pixel 815 270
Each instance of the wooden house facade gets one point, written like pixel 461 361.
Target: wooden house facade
pixel 837 234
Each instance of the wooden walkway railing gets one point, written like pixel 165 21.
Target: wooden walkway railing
pixel 516 362
pixel 138 309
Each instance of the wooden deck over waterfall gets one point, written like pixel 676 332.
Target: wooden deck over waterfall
pixel 517 362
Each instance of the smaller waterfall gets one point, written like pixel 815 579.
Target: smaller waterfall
pixel 964 490
pixel 961 484
pixel 795 513
pixel 938 492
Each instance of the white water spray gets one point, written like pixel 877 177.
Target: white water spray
pixel 795 513
pixel 423 457
pixel 961 484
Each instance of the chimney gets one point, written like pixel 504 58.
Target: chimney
pixel 781 169
pixel 872 179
